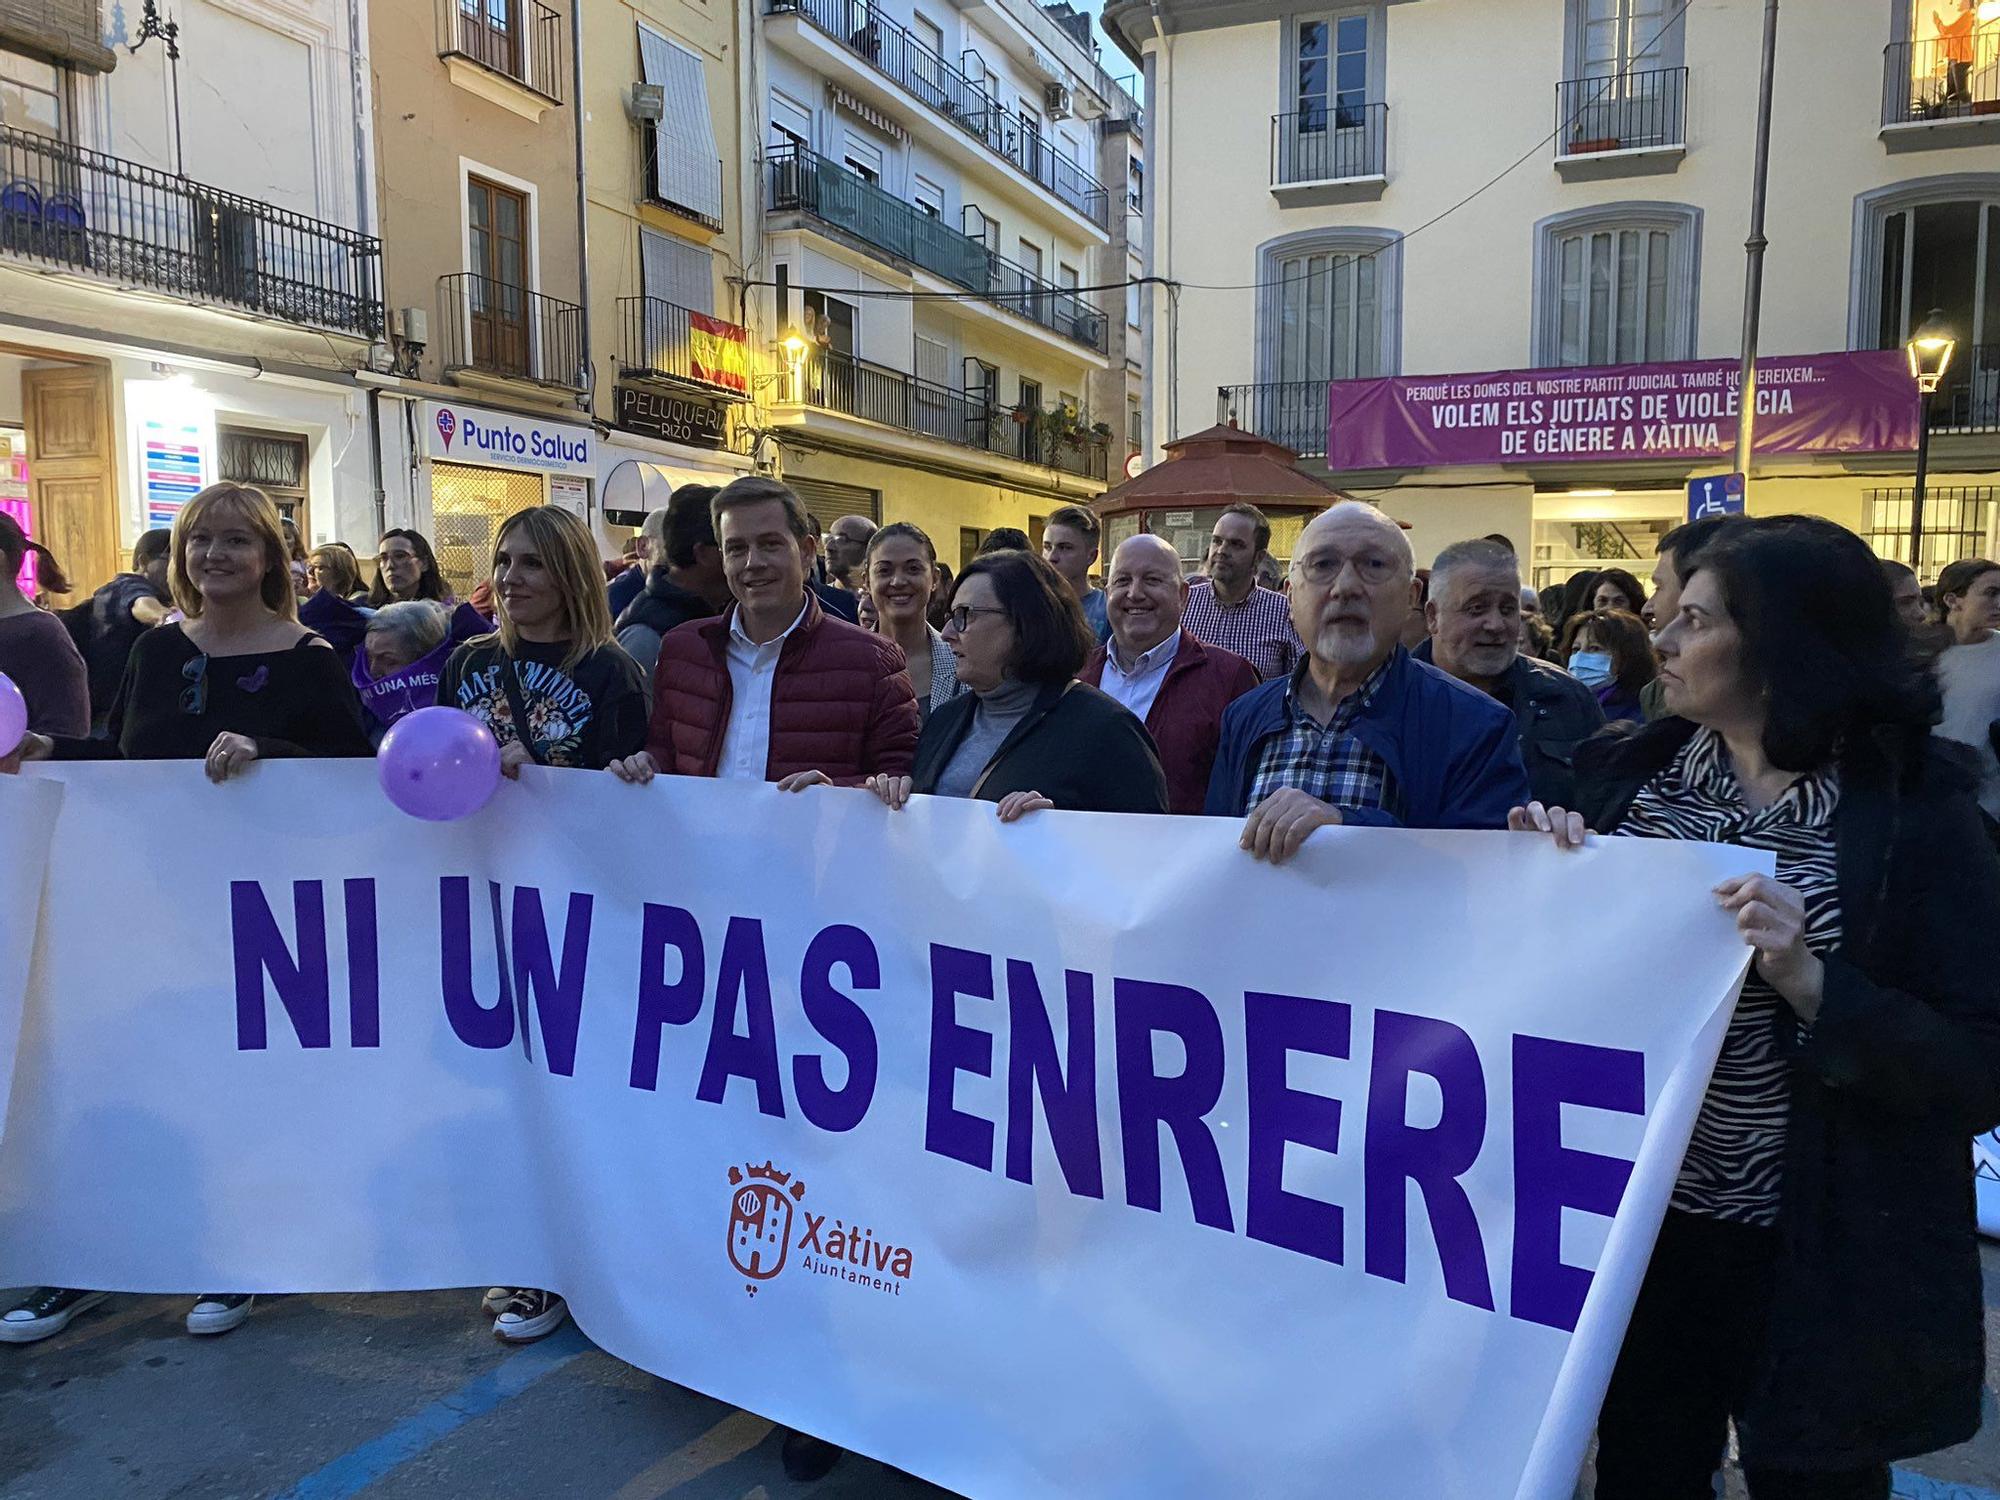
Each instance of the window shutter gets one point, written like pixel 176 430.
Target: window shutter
pixel 689 164
pixel 675 271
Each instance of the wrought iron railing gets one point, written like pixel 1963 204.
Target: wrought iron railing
pixel 1621 112
pixel 1292 412
pixel 1956 519
pixel 656 342
pixel 803 181
pixel 518 39
pixel 502 329
pixel 1968 398
pixel 891 50
pixel 1329 143
pixel 857 388
pixel 1941 79
pixel 78 210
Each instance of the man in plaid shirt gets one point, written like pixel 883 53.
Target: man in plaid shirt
pixel 1229 609
pixel 1359 732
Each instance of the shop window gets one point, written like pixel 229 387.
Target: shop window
pixel 1616 285
pixel 274 462
pixel 468 503
pixel 1331 306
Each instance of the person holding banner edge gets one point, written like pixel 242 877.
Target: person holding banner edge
pixel 1863 1053
pixel 238 680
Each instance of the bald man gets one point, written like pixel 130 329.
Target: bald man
pixel 1360 732
pixel 1171 682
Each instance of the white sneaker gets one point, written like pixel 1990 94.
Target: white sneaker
pixel 45 1312
pixel 530 1314
pixel 219 1312
pixel 496 1299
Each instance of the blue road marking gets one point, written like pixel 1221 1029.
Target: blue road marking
pixel 356 1469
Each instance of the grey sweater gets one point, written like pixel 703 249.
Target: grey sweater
pixel 998 712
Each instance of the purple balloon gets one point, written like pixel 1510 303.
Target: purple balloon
pixel 439 764
pixel 13 715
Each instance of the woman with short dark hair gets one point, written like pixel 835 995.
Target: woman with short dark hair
pixel 1617 589
pixel 405 568
pixel 1817 1277
pixel 1027 735
pixel 1609 651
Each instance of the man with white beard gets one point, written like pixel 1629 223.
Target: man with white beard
pixel 1359 732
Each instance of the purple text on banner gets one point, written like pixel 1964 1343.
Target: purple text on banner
pixel 1861 402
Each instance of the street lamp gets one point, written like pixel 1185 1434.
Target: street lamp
pixel 1930 349
pixel 794 346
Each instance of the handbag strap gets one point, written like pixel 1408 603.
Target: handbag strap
pixel 517 706
pixel 1019 732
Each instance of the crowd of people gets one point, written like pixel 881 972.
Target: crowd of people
pixel 1816 1282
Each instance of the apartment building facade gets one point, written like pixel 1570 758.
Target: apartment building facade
pixel 933 220
pixel 190 277
pixel 1426 189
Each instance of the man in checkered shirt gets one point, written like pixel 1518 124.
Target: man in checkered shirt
pixel 1360 732
pixel 1229 609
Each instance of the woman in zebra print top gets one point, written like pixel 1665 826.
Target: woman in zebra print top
pixel 1816 1280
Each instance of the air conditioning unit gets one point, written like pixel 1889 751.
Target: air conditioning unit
pixel 646 101
pixel 413 325
pixel 1058 100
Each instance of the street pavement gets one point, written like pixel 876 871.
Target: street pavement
pixel 409 1396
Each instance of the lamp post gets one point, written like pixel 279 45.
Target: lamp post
pixel 1930 349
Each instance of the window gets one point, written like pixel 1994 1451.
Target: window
pixel 1616 285
pixel 675 271
pixel 1031 394
pixel 1069 401
pixel 1613 37
pixel 833 323
pixel 685 172
pixel 1951 62
pixel 1330 307
pixel 933 360
pixel 1066 277
pixel 497 237
pixel 275 462
pixel 1956 518
pixel 1936 244
pixel 1135 184
pixel 791 123
pixel 864 161
pixel 489 32
pixel 1132 304
pixel 928 197
pixel 1031 258
pixel 1135 425
pixel 928 58
pixel 1331 70
pixel 34 96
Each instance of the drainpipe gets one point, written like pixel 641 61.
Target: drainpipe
pixel 586 400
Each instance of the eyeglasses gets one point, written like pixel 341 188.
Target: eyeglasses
pixel 194 697
pixel 961 617
pixel 1322 568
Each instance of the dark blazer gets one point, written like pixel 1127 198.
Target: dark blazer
pixel 1874 1349
pixel 1553 715
pixel 1076 747
pixel 1185 720
pixel 1450 747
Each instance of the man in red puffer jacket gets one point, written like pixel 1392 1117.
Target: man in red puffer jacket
pixel 775 689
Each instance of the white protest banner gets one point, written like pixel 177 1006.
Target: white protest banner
pixel 1081 1157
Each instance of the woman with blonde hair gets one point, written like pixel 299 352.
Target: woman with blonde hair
pixel 236 681
pixel 555 688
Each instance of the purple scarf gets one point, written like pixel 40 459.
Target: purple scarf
pixel 404 690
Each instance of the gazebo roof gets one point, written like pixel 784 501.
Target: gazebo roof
pixel 1221 466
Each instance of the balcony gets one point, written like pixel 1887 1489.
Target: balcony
pixel 1968 400
pixel 139 228
pixel 658 344
pixel 495 328
pixel 805 182
pixel 1621 124
pixel 684 190
pixel 1292 412
pixel 894 53
pixel 1942 92
pixel 1330 154
pixel 855 388
pixel 516 41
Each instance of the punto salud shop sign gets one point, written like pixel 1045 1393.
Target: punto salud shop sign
pixel 673 417
pixel 1860 402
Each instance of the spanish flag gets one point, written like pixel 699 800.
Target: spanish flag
pixel 719 352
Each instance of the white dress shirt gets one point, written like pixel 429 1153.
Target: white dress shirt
pixel 1138 685
pixel 746 739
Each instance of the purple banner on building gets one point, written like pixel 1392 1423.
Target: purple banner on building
pixel 1861 402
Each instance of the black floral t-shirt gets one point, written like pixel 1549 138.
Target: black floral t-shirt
pixel 587 716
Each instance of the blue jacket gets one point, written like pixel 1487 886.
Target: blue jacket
pixel 1451 748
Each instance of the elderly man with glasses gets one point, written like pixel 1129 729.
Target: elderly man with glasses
pixel 1359 732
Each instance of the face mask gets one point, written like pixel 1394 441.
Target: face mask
pixel 1591 668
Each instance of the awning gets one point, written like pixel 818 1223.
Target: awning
pixel 65 30
pixel 638 486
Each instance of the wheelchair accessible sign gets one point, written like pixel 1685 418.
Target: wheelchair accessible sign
pixel 1715 495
